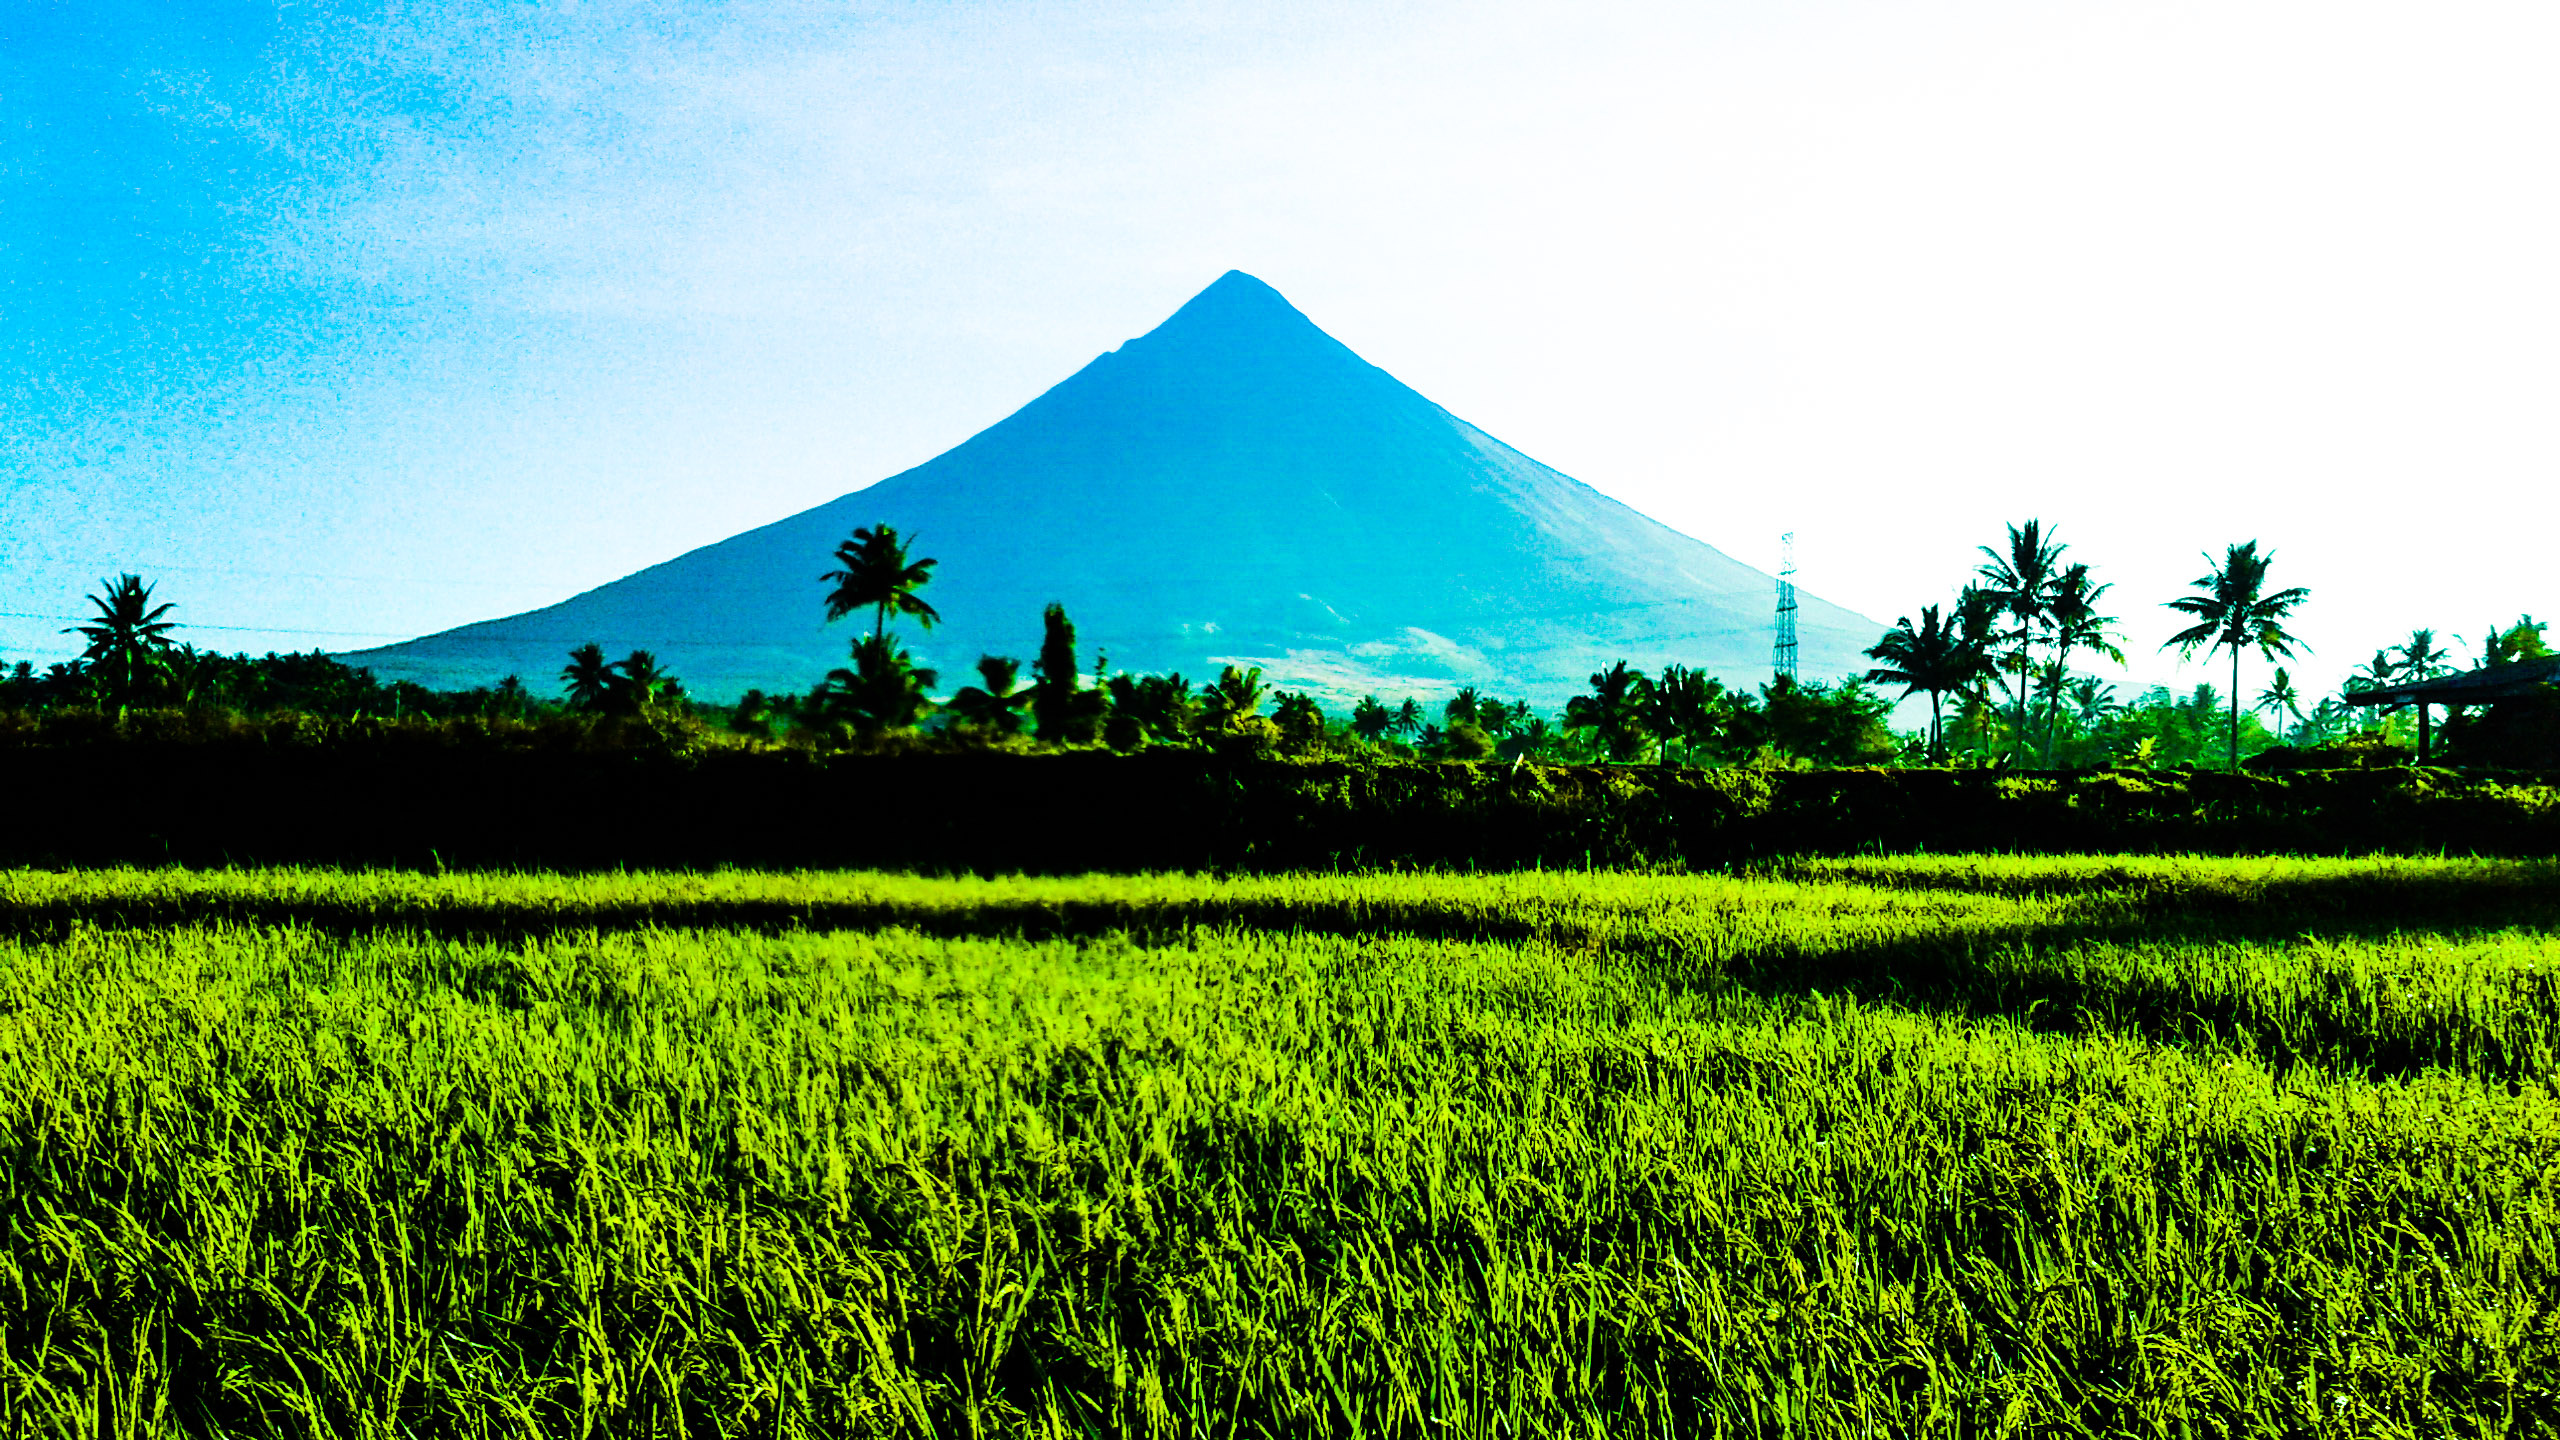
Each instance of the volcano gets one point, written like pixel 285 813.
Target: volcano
pixel 1235 487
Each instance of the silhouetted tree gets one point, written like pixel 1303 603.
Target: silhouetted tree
pixel 884 691
pixel 640 686
pixel 1614 711
pixel 1686 707
pixel 992 706
pixel 1146 708
pixel 2022 579
pixel 128 641
pixel 1935 658
pixel 2235 612
pixel 2421 658
pixel 873 573
pixel 1408 720
pixel 2076 625
pixel 2280 700
pixel 1371 720
pixel 1300 719
pixel 1062 711
pixel 1234 697
pixel 589 678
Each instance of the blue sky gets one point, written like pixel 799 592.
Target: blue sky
pixel 348 322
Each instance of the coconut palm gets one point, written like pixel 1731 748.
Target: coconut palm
pixel 642 686
pixel 1371 720
pixel 1408 718
pixel 1300 719
pixel 2236 611
pixel 128 641
pixel 589 676
pixel 2023 581
pixel 2092 701
pixel 1148 707
pixel 1934 658
pixel 884 691
pixel 2280 700
pixel 2375 673
pixel 993 706
pixel 2421 658
pixel 1614 710
pixel 2076 625
pixel 1233 697
pixel 1687 706
pixel 874 574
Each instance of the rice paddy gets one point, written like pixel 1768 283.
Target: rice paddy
pixel 1927 1146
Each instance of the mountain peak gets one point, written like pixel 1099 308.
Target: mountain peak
pixel 1234 487
pixel 1236 307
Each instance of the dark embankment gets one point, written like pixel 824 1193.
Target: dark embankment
pixel 389 799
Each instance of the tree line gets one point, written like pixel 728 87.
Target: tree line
pixel 2002 665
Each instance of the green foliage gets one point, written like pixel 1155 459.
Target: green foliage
pixel 1614 712
pixel 128 649
pixel 873 573
pixel 2236 611
pixel 1370 720
pixel 882 693
pixel 1935 658
pixel 992 707
pixel 2520 641
pixel 1063 712
pixel 1149 708
pixel 1233 698
pixel 1954 1146
pixel 1300 722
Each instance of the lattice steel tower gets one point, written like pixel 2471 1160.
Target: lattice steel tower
pixel 1783 660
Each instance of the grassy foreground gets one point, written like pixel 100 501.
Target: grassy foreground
pixel 1894 1147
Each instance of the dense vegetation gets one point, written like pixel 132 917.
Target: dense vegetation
pixel 2001 655
pixel 1843 1148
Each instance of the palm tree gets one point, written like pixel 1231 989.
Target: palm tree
pixel 2092 701
pixel 885 689
pixel 642 686
pixel 1614 710
pixel 589 676
pixel 2421 658
pixel 1686 705
pixel 993 706
pixel 128 641
pixel 1408 718
pixel 1300 719
pixel 2280 700
pixel 2077 625
pixel 1932 658
pixel 1234 696
pixel 2023 582
pixel 2374 673
pixel 874 574
pixel 1371 720
pixel 2235 612
pixel 1148 707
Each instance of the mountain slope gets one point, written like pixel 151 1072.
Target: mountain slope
pixel 1236 486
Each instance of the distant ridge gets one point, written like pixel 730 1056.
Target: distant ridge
pixel 1233 487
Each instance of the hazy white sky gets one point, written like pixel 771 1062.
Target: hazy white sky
pixel 353 323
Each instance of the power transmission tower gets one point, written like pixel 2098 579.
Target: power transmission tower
pixel 1784 660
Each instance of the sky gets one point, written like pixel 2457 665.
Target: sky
pixel 348 322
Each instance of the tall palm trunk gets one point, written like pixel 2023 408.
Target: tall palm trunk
pixel 2053 710
pixel 1937 742
pixel 2235 709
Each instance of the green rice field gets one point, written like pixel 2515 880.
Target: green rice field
pixel 1893 1147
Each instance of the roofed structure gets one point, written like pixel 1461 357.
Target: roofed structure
pixel 2484 686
